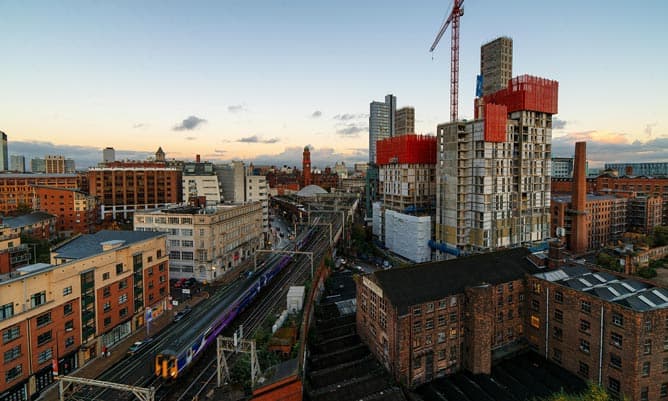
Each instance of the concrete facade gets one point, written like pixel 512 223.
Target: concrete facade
pixel 496 64
pixel 405 121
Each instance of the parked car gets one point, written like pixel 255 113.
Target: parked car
pixel 136 347
pixel 180 315
pixel 180 283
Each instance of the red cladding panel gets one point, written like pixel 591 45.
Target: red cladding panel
pixel 495 122
pixel 409 149
pixel 527 92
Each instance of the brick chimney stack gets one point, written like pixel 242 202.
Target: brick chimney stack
pixel 197 159
pixel 578 241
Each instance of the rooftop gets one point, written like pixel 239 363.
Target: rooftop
pixel 38 175
pixel 435 280
pixel 26 219
pixel 311 190
pixel 590 198
pixel 91 244
pixel 626 292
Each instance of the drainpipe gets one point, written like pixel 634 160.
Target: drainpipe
pixel 600 352
pixel 547 321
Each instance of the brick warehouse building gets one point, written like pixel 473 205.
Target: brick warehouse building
pixel 433 319
pixel 93 294
pixel 78 212
pixel 606 328
pixel 18 189
pixel 123 187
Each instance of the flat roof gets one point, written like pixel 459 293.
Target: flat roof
pixel 630 293
pixel 430 281
pixel 91 244
pixel 26 219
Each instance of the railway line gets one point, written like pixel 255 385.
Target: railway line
pixel 139 369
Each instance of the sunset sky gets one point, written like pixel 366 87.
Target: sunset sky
pixel 258 79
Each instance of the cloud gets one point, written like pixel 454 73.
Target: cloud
pixel 558 124
pixel 256 139
pixel 316 114
pixel 611 147
pixel 190 138
pixel 84 156
pixel 351 130
pixel 348 117
pixel 140 125
pixel 236 108
pixel 189 124
pixel 649 127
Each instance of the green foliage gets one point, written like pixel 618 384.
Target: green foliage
pixel 659 236
pixel 647 272
pixel 593 393
pixel 22 208
pixel 608 261
pixel 41 247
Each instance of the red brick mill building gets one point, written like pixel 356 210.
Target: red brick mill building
pixel 433 319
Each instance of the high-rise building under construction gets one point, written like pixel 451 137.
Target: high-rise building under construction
pixel 496 64
pixel 493 173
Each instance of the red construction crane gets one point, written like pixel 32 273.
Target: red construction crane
pixel 457 11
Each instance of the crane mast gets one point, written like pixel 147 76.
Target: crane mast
pixel 455 14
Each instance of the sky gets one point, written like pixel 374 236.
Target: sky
pixel 257 80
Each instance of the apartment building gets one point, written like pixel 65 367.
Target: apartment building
pixel 200 179
pixel 257 190
pixel 13 254
pixel 35 225
pixel 77 212
pixel 405 121
pixel 55 317
pixel 205 243
pixel 16 190
pixel 609 329
pixel 432 319
pixel 126 187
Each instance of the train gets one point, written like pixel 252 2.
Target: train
pixel 185 350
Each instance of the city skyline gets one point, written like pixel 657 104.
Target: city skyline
pixel 259 82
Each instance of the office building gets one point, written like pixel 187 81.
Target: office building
pixel 257 190
pixel 4 159
pixel 54 164
pixel 206 243
pixel 405 121
pixel 496 65
pixel 17 163
pixel 381 123
pixel 96 291
pixel 125 187
pixel 562 167
pixel 644 213
pixel 108 155
pixel 38 165
pixel 200 180
pixel 232 179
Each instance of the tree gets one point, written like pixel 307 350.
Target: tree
pixel 593 393
pixel 659 236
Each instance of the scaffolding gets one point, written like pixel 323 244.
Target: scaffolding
pixel 235 345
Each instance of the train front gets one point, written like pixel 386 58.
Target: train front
pixel 166 365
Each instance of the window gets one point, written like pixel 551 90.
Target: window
pixel 69 325
pixel 11 333
pixel 535 304
pixel 107 321
pixel 558 315
pixel 559 297
pixel 69 341
pixel 119 268
pixel 585 327
pixel 417 311
pixel 38 299
pixel 6 311
pixel 417 326
pixel 150 271
pixel 12 353
pixel 536 288
pixel 45 355
pixel 558 333
pixel 583 370
pixel 499 317
pixel 441 355
pixel 123 312
pixel 186 256
pixel 647 347
pixel 510 298
pixel 123 298
pixel 535 321
pixel 429 324
pixel 44 338
pixel 453 332
pixel 123 284
pixel 615 361
pixel 556 355
pixel 158 254
pixel 161 267
pixel 430 307
pixel 585 306
pixel 107 306
pixel 106 291
pixel 427 340
pixel 417 363
pixel 105 276
pixel 67 290
pixel 584 346
pixel 43 319
pixel 644 394
pixel 442 304
pixel 613 385
pixel 67 309
pixel 616 339
pixel 665 365
pixel 664 390
pixel 645 368
pixel 13 373
pixel 648 326
pixel 510 287
pixel 441 337
pixel 617 319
